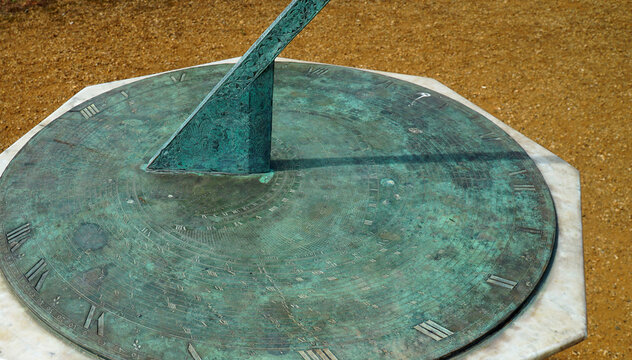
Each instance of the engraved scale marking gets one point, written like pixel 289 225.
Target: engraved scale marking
pixel 529 230
pixel 420 96
pixel 318 71
pixel 194 354
pixel 180 79
pixel 502 282
pixel 490 136
pixel 386 83
pixel 433 330
pixel 317 354
pixel 517 172
pixel 100 320
pixel 34 270
pixel 523 187
pixel 88 321
pixel 40 282
pixel 89 111
pixel 18 236
pixel 101 324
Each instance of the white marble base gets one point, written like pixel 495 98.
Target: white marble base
pixel 554 319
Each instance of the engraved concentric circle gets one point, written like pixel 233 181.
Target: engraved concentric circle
pixel 397 223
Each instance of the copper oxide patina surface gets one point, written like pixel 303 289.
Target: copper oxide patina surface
pixel 229 131
pixel 387 220
pixel 390 209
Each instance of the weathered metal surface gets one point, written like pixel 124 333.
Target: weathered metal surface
pixel 229 132
pixel 396 224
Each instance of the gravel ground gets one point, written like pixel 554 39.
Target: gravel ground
pixel 558 71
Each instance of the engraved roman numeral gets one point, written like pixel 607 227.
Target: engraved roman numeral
pixel 433 330
pixel 32 273
pixel 490 136
pixel 180 79
pixel 18 236
pixel 518 172
pixel 498 281
pixel 100 321
pixel 386 83
pixel 315 72
pixel 523 187
pixel 193 353
pixel 419 96
pixel 529 230
pixel 317 354
pixel 89 111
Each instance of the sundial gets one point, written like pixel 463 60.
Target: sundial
pixel 274 211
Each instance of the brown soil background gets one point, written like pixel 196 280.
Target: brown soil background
pixel 558 71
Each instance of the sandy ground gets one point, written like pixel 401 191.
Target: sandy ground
pixel 558 71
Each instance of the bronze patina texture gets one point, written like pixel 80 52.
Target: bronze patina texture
pixel 229 132
pixel 396 224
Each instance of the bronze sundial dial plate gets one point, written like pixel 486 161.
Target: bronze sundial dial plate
pixel 396 224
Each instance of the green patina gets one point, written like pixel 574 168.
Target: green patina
pixel 390 210
pixel 379 216
pixel 229 132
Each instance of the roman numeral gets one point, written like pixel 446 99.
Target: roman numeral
pixel 433 330
pixel 315 72
pixel 34 271
pixel 317 354
pixel 180 79
pixel 490 136
pixel 386 83
pixel 419 96
pixel 18 236
pixel 498 281
pixel 89 111
pixel 529 230
pixel 523 187
pixel 518 172
pixel 100 321
pixel 193 353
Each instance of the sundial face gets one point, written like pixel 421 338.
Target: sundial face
pixel 397 224
pixel 372 218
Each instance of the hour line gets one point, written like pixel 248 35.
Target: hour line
pixel 100 321
pixel 18 236
pixel 89 111
pixel 318 354
pixel 193 353
pixel 433 330
pixel 498 281
pixel 32 273
pixel 523 187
